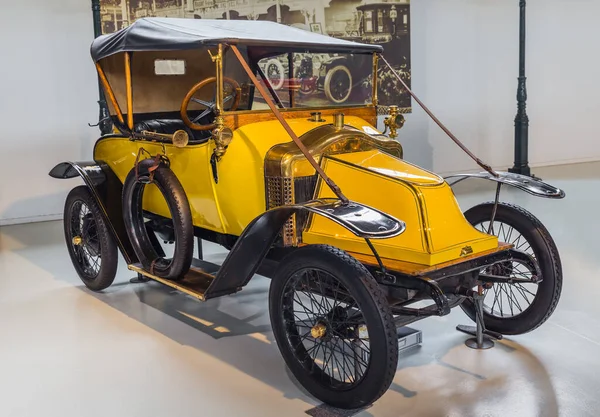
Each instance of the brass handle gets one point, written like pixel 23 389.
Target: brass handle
pixel 180 138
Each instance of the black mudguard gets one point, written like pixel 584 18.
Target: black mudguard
pixel 106 188
pixel 257 239
pixel 530 185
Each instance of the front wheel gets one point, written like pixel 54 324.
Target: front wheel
pixel 333 326
pixel 275 73
pixel 520 307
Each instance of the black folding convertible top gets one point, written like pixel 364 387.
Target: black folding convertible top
pixel 171 34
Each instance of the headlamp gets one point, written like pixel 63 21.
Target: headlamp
pixel 223 136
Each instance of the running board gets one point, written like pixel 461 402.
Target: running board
pixel 195 283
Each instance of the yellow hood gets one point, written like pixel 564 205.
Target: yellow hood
pixel 436 230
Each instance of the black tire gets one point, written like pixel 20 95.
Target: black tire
pixel 181 215
pixel 92 248
pixel 373 375
pixel 538 243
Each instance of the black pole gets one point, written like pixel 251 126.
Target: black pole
pixel 105 123
pixel 522 120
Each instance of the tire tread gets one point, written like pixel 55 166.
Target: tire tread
pixel 174 194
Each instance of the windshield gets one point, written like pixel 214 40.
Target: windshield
pixel 311 80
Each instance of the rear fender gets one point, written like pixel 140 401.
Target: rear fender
pixel 106 189
pixel 257 239
pixel 530 185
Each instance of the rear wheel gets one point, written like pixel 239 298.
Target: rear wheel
pixel 333 326
pixel 338 84
pixel 91 246
pixel 520 307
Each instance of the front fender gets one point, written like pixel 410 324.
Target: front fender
pixel 530 185
pixel 255 242
pixel 106 189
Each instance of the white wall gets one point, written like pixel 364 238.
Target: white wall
pixel 48 95
pixel 465 64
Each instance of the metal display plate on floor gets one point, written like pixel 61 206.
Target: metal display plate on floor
pixel 408 338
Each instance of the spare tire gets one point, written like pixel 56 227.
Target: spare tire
pixel 170 187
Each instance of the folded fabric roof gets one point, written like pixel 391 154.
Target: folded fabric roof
pixel 171 34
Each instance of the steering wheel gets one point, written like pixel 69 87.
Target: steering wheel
pixel 231 94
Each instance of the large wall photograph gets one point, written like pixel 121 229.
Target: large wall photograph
pixel 383 22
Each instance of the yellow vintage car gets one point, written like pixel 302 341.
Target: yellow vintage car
pixel 204 147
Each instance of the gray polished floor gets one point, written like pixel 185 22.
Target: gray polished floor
pixel 144 350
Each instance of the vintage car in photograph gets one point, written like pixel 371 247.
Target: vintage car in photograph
pixel 204 147
pixel 387 24
pixel 333 76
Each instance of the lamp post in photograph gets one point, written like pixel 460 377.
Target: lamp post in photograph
pixel 393 16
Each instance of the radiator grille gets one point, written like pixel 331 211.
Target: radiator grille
pixel 274 192
pixel 283 191
pixel 280 192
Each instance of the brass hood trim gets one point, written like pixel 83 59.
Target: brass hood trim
pixel 326 140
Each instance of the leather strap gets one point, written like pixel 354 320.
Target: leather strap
pixel 288 129
pixel 439 123
pixel 158 158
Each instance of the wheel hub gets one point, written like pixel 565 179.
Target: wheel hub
pixel 503 269
pixel 318 331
